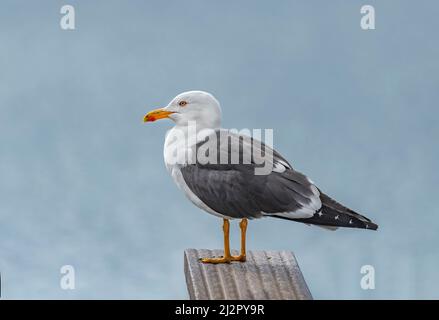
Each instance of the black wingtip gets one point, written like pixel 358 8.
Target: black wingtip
pixel 371 226
pixel 337 219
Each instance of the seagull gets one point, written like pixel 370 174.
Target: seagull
pixel 234 189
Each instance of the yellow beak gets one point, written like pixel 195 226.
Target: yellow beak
pixel 156 115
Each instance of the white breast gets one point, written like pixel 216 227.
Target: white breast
pixel 176 151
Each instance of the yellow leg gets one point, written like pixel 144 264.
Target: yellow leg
pixel 242 257
pixel 227 256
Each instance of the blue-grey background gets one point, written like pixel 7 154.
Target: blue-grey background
pixel 82 179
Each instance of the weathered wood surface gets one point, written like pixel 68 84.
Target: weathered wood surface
pixel 265 275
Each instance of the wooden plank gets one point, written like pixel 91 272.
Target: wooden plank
pixel 265 275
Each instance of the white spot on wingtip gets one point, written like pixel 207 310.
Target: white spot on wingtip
pixel 279 167
pixel 336 217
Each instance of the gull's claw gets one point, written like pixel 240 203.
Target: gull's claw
pixel 217 260
pixel 240 258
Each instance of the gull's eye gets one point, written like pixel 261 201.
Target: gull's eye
pixel 182 103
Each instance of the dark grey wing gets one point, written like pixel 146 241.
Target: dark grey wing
pixel 234 190
pixel 223 189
